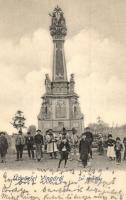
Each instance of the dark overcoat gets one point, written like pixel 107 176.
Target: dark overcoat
pixel 3 145
pixel 38 139
pixel 84 149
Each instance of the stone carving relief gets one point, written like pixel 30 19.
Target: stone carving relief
pixel 75 108
pixel 59 65
pixel 60 108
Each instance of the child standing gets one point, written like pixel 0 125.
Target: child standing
pixel 101 146
pixel 118 149
pixel 64 148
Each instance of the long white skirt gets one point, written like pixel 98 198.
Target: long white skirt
pixel 111 152
pixel 52 147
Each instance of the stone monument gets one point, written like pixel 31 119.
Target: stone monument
pixel 60 106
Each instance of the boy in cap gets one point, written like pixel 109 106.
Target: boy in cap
pixel 118 149
pixel 38 139
pixel 64 149
pixel 84 149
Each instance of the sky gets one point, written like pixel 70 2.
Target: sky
pixel 95 50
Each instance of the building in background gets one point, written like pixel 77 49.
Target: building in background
pixel 60 106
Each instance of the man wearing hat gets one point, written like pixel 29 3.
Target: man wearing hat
pixel 84 150
pixel 30 143
pixel 118 148
pixel 3 147
pixel 38 139
pixel 19 143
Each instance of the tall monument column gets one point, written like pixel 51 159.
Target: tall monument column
pixel 60 106
pixel 58 32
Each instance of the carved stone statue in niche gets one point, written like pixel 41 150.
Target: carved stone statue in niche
pixel 47 84
pixel 75 109
pixel 46 109
pixel 72 83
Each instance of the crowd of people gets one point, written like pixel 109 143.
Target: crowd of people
pixel 61 145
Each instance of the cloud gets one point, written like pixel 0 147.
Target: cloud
pixel 22 69
pixel 98 63
pixel 30 53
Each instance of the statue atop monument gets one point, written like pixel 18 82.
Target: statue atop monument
pixel 58 23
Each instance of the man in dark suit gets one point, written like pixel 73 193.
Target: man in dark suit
pixel 38 142
pixel 30 142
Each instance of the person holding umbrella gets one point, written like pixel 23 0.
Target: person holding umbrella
pixel 89 138
pixel 84 149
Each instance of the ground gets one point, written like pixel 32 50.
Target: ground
pixel 98 162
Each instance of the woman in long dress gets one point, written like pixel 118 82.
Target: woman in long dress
pixel 110 150
pixel 51 144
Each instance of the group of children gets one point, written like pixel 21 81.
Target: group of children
pixel 115 148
